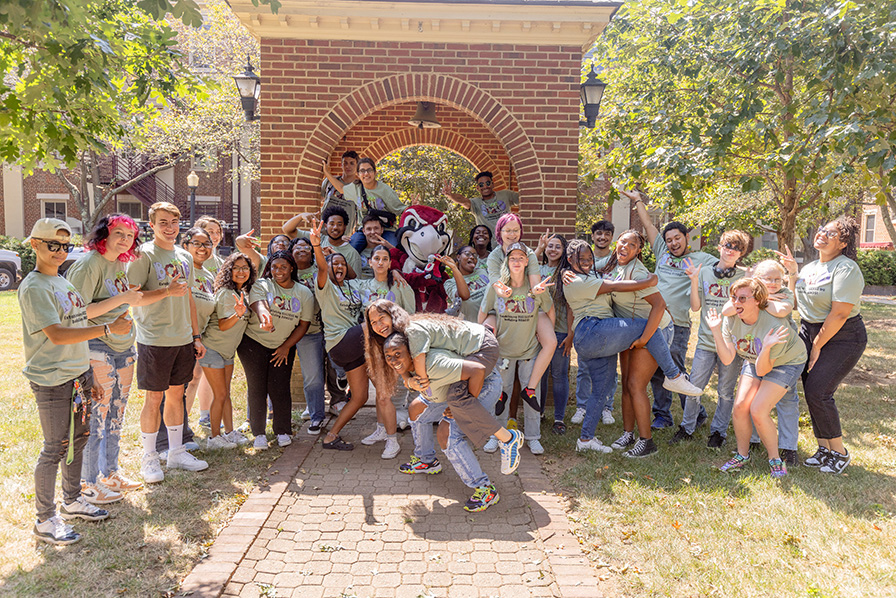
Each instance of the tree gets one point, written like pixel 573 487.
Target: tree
pixel 785 96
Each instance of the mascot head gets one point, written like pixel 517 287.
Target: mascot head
pixel 423 232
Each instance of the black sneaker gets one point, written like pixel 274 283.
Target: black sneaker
pixel 789 457
pixel 716 440
pixel 528 395
pixel 341 383
pixel 501 404
pixel 680 435
pixel 701 419
pixel 642 448
pixel 818 459
pixel 835 463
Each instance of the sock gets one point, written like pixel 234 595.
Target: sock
pixel 149 442
pixel 175 437
pixel 203 414
pixel 392 436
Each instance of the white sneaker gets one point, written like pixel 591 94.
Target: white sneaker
pixel 336 408
pixel 81 509
pixel 682 385
pixel 392 449
pixel 579 416
pixel 219 442
pixel 592 445
pixel 535 447
pixel 283 440
pixel 491 446
pixel 402 419
pixel 379 435
pixel 179 458
pixel 235 437
pixel 151 469
pixel 306 415
pixel 261 443
pixel 607 417
pixel 99 494
pixel 55 531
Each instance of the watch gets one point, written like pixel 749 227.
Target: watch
pixel 196 337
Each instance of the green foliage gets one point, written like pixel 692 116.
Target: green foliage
pixel 878 266
pixel 760 255
pixel 25 251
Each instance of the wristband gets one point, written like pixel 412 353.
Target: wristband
pixel 196 337
pixel 106 329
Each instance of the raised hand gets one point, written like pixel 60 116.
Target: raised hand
pixel 542 286
pixel 247 240
pixel 775 336
pixel 399 279
pixel 542 242
pixel 177 287
pixel 447 260
pixel 132 296
pixel 502 290
pixel 240 306
pixel 692 271
pixel 713 319
pixel 121 325
pixel 632 195
pixel 787 260
pixel 314 235
pixel 447 187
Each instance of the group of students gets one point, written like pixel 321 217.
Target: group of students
pixel 329 295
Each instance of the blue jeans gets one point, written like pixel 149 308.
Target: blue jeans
pixel 583 389
pixel 705 363
pixel 788 408
pixel 310 352
pixel 459 452
pixel 114 371
pixel 531 417
pixel 559 370
pixel 662 398
pixel 359 241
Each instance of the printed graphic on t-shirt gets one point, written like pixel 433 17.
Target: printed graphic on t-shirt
pixel 516 304
pixel 478 284
pixel 494 208
pixel 204 284
pixel 667 260
pixel 70 300
pixel 164 272
pixel 372 295
pixel 720 289
pixel 749 345
pixel 813 283
pixel 286 305
pixel 118 285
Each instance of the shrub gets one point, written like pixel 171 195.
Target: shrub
pixel 760 255
pixel 878 266
pixel 24 249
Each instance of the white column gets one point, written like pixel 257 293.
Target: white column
pixel 13 201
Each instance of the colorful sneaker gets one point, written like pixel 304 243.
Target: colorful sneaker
pixel 416 465
pixel 510 452
pixel 836 463
pixel 492 445
pixel 529 396
pixel 623 442
pixel 680 435
pixel 483 497
pixel 682 386
pixel 501 404
pixel 118 482
pixel 789 456
pixel 779 469
pixel 578 417
pixel 99 494
pixel 735 463
pixel 379 435
pixel 644 447
pixel 592 445
pixel 511 424
pixel 205 422
pixel 715 441
pixel 151 469
pixel 819 458
pixel 55 531
pixel 81 509
pixel 180 459
pixel 606 417
pixel 392 448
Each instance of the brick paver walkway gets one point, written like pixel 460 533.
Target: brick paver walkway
pixel 339 524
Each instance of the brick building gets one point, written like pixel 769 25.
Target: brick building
pixel 504 77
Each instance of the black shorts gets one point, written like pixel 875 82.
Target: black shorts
pixel 349 352
pixel 161 367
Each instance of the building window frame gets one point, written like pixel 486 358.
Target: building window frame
pixel 870 224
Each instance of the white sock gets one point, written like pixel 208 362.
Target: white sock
pixel 149 442
pixel 203 413
pixel 392 436
pixel 175 437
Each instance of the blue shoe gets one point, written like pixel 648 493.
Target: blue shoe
pixel 659 423
pixel 510 452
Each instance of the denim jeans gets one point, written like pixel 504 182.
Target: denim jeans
pixel 583 390
pixel 601 374
pixel 54 407
pixel 310 351
pixel 559 371
pixel 704 364
pixel 459 451
pixel 532 417
pixel 359 241
pixel 114 371
pixel 662 398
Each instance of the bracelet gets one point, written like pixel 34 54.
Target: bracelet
pixel 106 329
pixel 196 337
pixel 313 245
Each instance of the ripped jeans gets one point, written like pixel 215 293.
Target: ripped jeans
pixel 113 371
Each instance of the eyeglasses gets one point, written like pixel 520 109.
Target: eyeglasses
pixel 199 245
pixel 830 234
pixel 242 269
pixel 741 299
pixel 484 184
pixel 55 246
pixel 772 280
pixel 365 170
pixel 732 247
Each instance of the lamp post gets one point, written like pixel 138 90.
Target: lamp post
pixel 192 183
pixel 249 86
pixel 591 93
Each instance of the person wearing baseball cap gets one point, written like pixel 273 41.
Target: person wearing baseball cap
pixel 57 365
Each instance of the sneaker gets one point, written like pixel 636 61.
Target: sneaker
pixel 579 416
pixel 116 481
pixel 643 447
pixel 99 494
pixel 219 442
pixel 261 443
pixel 535 447
pixel 151 469
pixel 283 440
pixel 528 395
pixel 392 449
pixel 316 426
pixel 501 404
pixel 682 385
pixel 491 446
pixel 482 498
pixel 680 435
pixel 55 531
pixel 819 458
pixel 735 463
pixel 244 427
pixel 417 465
pixel 779 469
pixel 181 459
pixel 510 452
pixel 191 446
pixel 402 419
pixel 623 442
pixel 511 424
pixel 606 417
pixel 205 422
pixel 660 424
pixel 379 435
pixel 336 408
pixel 835 463
pixel 789 456
pixel 81 509
pixel 236 438
pixel 592 445
pixel 715 441
pixel 342 383
pixel 306 415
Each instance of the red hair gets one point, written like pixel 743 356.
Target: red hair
pixel 100 233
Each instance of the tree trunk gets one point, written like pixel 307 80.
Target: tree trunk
pixel 888 211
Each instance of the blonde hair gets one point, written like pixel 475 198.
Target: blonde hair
pixel 766 265
pixel 757 288
pixel 162 206
pixel 203 222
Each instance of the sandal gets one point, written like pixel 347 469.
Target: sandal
pixel 558 428
pixel 338 444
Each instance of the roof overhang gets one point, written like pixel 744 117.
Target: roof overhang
pixel 527 22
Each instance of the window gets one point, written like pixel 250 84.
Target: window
pixel 869 228
pixel 134 209
pixel 54 209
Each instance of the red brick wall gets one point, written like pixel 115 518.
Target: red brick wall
pixel 44 182
pixel 316 92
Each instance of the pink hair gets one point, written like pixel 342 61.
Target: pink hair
pixel 504 220
pixel 101 233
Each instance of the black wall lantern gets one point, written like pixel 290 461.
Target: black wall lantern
pixel 591 92
pixel 249 86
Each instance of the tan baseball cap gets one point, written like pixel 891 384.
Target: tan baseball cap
pixel 517 247
pixel 48 228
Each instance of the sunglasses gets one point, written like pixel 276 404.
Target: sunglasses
pixel 830 234
pixel 484 184
pixel 741 299
pixel 55 246
pixel 732 247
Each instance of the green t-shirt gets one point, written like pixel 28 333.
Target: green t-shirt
pixel 203 289
pixel 213 264
pixel 632 304
pixel 714 294
pixel 288 308
pixel 477 282
pixel 366 271
pixel 443 368
pixel 340 309
pixel 581 295
pixel 460 336
pixel 674 284
pixel 381 197
pixel 495 263
pixel 487 213
pixel 559 310
pixel 225 342
pixel 400 294
pixel 44 301
pixel 98 279
pixel 821 283
pixel 332 197
pixel 748 339
pixel 600 262
pixel 165 323
pixel 517 319
pixel 308 278
pixel 351 256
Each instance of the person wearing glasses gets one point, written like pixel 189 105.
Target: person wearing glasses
pixel 57 366
pixel 492 204
pixel 828 294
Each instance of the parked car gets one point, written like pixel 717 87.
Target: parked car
pixel 10 269
pixel 73 256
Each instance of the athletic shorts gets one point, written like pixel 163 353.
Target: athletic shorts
pixel 161 367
